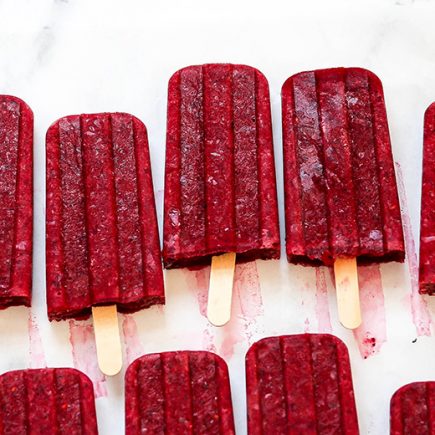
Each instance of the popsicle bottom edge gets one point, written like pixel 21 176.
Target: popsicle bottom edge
pixel 306 260
pixel 204 259
pixel 84 313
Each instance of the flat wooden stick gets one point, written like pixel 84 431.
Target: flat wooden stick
pixel 107 338
pixel 220 291
pixel 346 284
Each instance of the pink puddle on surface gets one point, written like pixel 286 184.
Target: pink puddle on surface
pixel 420 313
pixel 36 349
pixel 372 333
pixel 132 343
pixel 322 303
pixel 246 306
pixel 85 355
pixel 199 284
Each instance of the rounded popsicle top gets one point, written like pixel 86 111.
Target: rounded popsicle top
pixel 97 116
pixel 187 391
pixel 67 372
pixel 412 409
pixel 50 400
pixel 191 355
pixel 430 111
pixel 337 72
pixel 23 105
pixel 318 338
pixel 242 67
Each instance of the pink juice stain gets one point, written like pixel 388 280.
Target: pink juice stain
pixel 132 343
pixel 36 349
pixel 372 333
pixel 420 313
pixel 198 280
pixel 247 306
pixel 84 354
pixel 322 302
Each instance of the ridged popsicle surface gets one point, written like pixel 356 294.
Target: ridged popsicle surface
pixel 102 237
pixel 341 196
pixel 47 401
pixel 220 187
pixel 300 384
pixel 185 392
pixel 427 225
pixel 413 409
pixel 16 201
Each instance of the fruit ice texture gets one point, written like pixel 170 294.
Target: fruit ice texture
pixel 102 238
pixel 185 392
pixel 47 401
pixel 341 197
pixel 427 225
pixel 220 187
pixel 300 384
pixel 413 410
pixel 16 201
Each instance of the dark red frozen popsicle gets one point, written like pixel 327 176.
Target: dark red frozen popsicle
pixel 413 409
pixel 340 187
pixel 427 226
pixel 183 392
pixel 300 384
pixel 220 188
pixel 16 198
pixel 102 237
pixel 47 401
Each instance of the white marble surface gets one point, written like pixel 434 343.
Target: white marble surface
pixel 77 56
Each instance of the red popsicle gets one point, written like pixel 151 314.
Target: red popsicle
pixel 102 240
pixel 300 384
pixel 47 401
pixel 183 392
pixel 340 187
pixel 102 237
pixel 427 227
pixel 413 409
pixel 16 198
pixel 220 189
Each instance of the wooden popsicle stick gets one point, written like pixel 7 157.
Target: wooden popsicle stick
pixel 346 284
pixel 107 338
pixel 220 290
